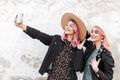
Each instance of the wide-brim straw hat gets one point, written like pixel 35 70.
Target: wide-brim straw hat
pixel 81 26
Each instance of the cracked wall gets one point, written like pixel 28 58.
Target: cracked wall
pixel 21 56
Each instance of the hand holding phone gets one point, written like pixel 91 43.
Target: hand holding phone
pixel 18 22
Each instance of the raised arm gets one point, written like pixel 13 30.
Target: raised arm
pixel 35 34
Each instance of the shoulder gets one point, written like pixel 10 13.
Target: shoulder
pixel 107 57
pixel 57 37
pixel 106 54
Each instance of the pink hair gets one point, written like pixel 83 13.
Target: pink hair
pixel 105 40
pixel 75 41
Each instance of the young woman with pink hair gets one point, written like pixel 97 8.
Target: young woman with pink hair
pixel 65 55
pixel 98 62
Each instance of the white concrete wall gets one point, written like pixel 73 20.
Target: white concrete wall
pixel 21 56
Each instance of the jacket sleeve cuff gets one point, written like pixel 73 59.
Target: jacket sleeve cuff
pixel 27 29
pixel 100 74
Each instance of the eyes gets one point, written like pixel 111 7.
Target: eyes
pixel 95 31
pixel 69 25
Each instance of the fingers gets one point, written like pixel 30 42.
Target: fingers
pixel 83 42
pixel 94 64
pixel 94 58
pixel 80 45
pixel 15 19
pixel 99 60
pixel 95 61
pixel 17 24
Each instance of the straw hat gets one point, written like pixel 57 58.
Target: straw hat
pixel 81 26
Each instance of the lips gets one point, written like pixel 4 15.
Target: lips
pixel 67 30
pixel 93 37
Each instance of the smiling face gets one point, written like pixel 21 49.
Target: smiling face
pixel 71 32
pixel 96 35
pixel 68 30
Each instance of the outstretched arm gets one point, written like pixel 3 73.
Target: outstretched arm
pixel 34 33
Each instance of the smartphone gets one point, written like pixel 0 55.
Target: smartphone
pixel 19 18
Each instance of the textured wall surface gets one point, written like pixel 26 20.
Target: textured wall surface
pixel 21 56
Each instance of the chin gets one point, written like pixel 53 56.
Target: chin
pixel 68 33
pixel 93 40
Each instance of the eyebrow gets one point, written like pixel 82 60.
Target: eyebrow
pixel 94 30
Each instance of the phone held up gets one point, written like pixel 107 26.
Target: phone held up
pixel 19 18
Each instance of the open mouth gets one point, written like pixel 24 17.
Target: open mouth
pixel 93 37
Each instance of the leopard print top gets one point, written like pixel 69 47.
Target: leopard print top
pixel 60 69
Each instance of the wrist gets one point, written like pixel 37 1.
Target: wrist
pixel 79 47
pixel 24 27
pixel 96 70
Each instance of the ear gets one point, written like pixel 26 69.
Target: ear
pixel 102 37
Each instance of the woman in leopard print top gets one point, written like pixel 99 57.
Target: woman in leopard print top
pixel 65 54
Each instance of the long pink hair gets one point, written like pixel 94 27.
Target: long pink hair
pixel 75 40
pixel 105 40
